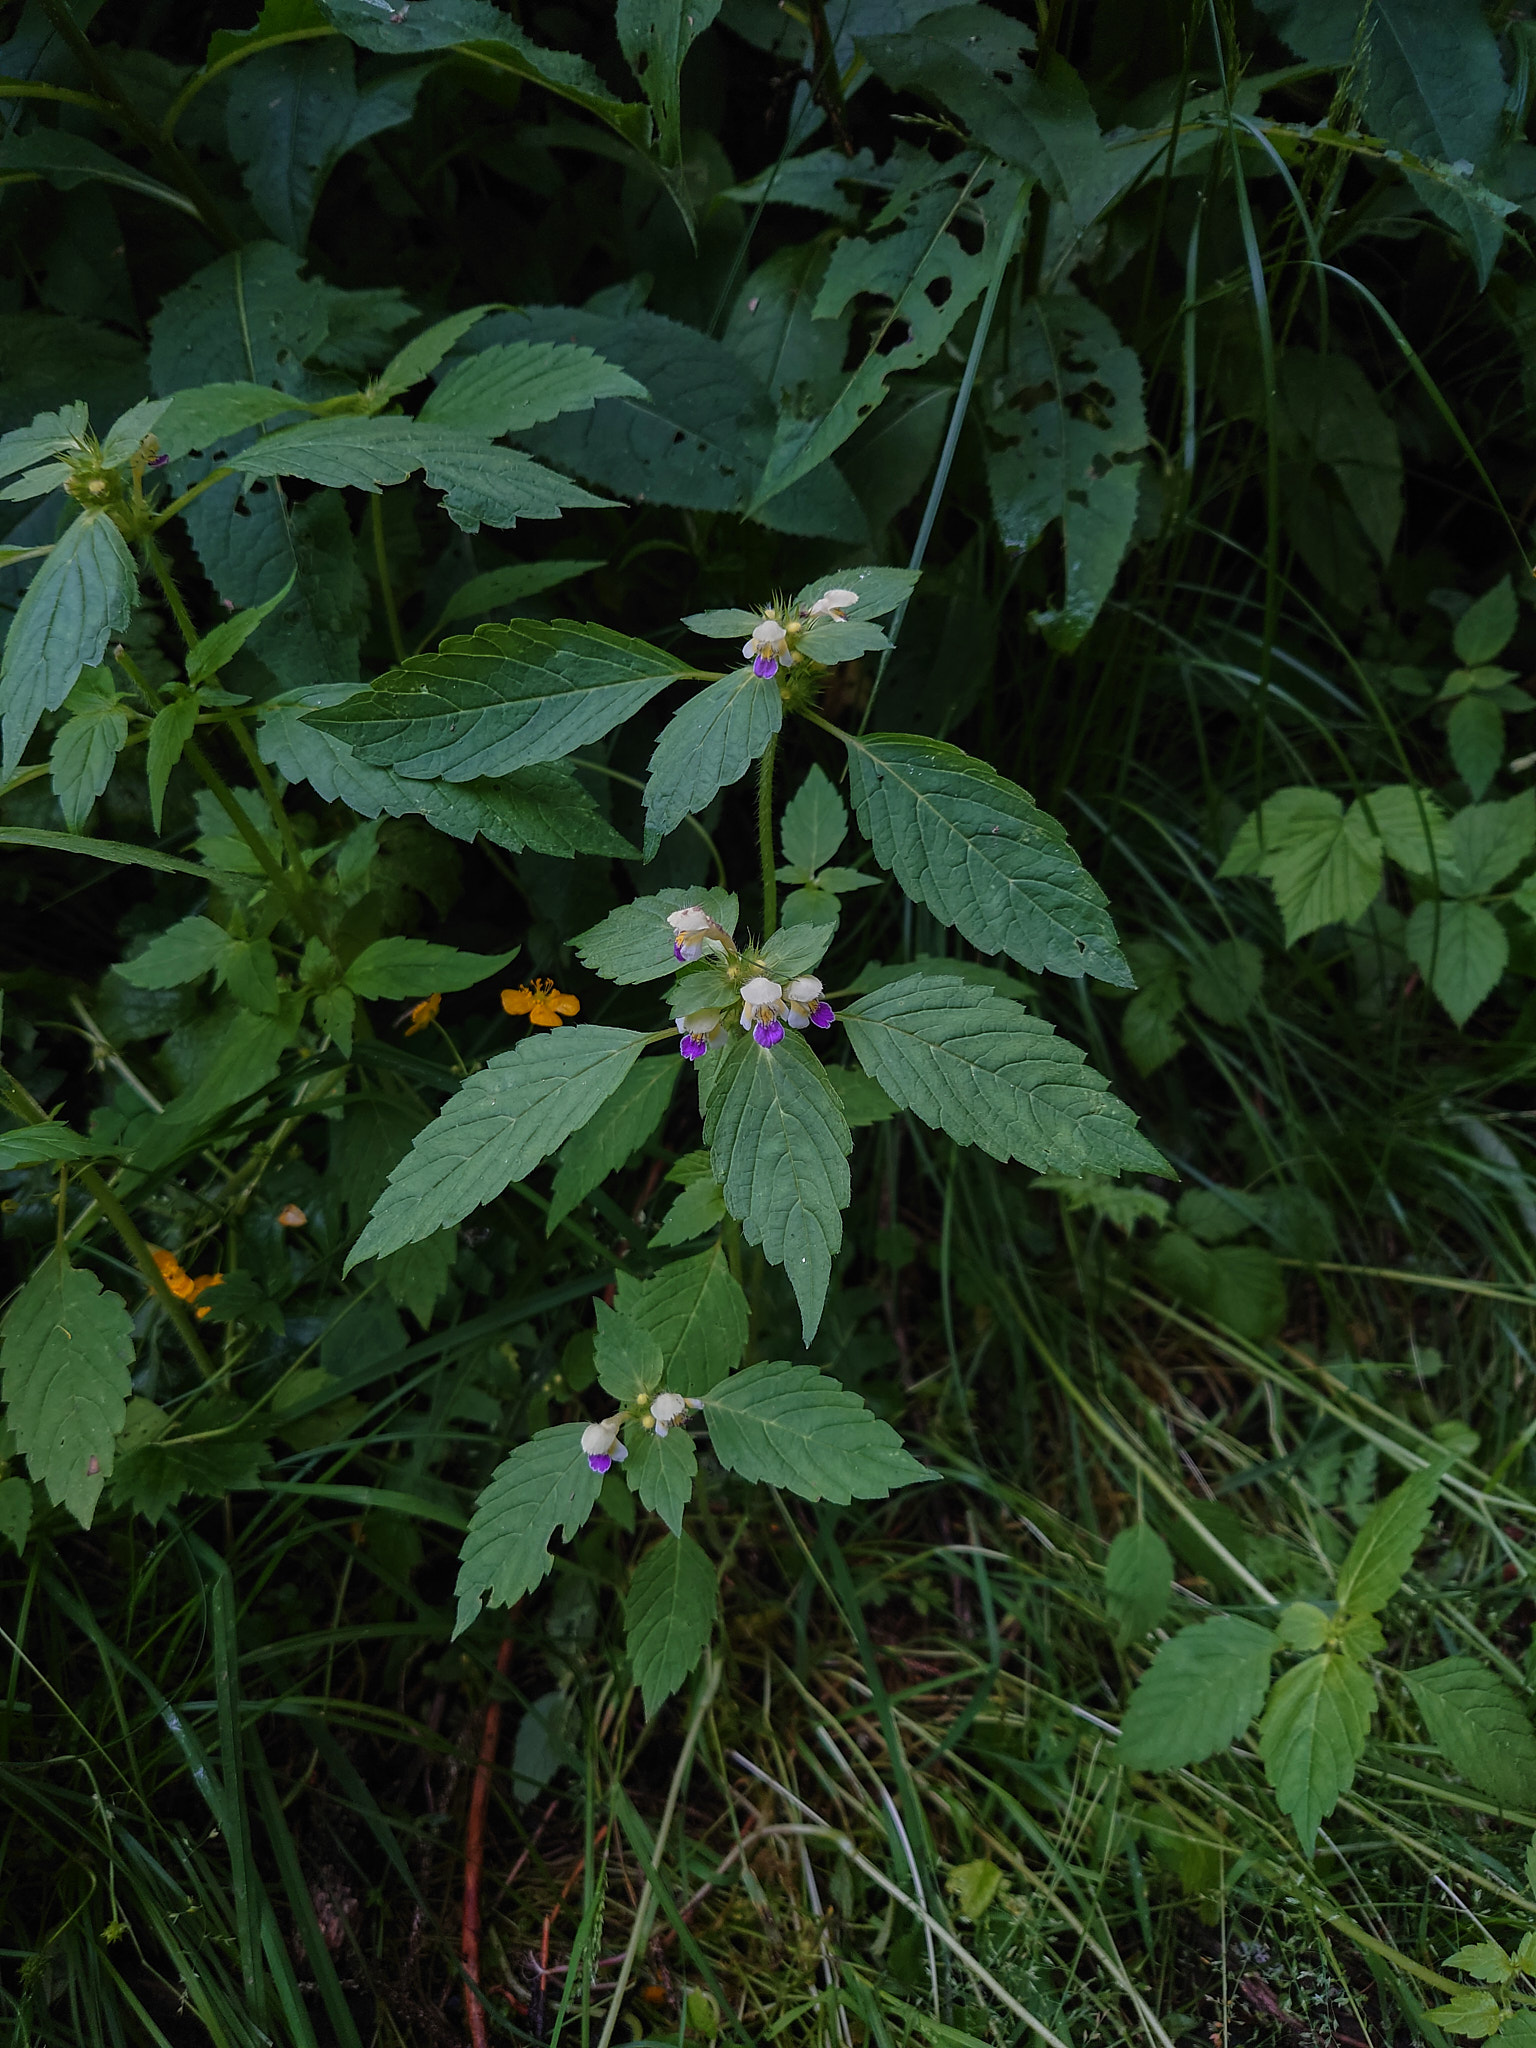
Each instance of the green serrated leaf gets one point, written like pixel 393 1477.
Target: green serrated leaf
pixel 1302 1627
pixel 1487 625
pixel 1198 1694
pixel 1477 2014
pixel 44 1144
pixel 975 849
pixel 521 384
pixel 504 697
pixel 1475 734
pixel 227 638
pixel 1324 862
pixel 171 728
pixel 661 1471
pixel 627 1356
pixel 988 1073
pixel 1479 1727
pixel 669 1614
pixel 50 433
pixel 629 1119
pixel 1461 949
pixel 792 1426
pixel 66 1349
pixel 1488 842
pixel 1226 980
pixel 1485 1961
pixel 503 1121
pixel 423 352
pixel 1312 1736
pixel 87 745
pixel 710 744
pixel 793 950
pixel 1381 1553
pixel 15 1511
pixel 496 589
pixel 697 1209
pixel 815 823
pixel 696 1312
pixel 974 1886
pixel 779 1146
pixel 546 1484
pixel 1138 1579
pixel 878 590
pixel 83 592
pixel 399 968
pixel 1412 827
pixel 188 950
pixel 634 942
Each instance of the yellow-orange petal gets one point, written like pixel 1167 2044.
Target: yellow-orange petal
pixel 423 1014
pixel 566 1005
pixel 517 1002
pixel 542 1015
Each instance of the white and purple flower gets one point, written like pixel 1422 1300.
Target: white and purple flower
pixel 763 1009
pixel 667 1410
pixel 803 998
pixel 833 604
pixel 768 649
pixel 695 933
pixel 699 1030
pixel 600 1441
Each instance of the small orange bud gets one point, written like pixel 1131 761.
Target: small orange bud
pixel 291 1216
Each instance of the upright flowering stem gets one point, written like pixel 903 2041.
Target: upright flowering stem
pixel 765 837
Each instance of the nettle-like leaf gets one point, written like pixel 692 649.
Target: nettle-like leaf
pixel 669 1616
pixel 1479 1726
pixel 86 747
pixel 977 851
pixel 708 745
pixel 634 943
pixel 792 1426
pixel 627 1357
pixel 1062 405
pixel 504 697
pixel 1138 1580
pixel 546 1484
pixel 1312 1736
pixel 981 1068
pixel 697 1313
pixel 398 968
pixel 661 1471
pixel 1381 1553
pixel 779 1146
pixel 1201 1690
pixel 82 593
pixel 66 1350
pixel 629 1119
pixel 522 384
pixel 503 1121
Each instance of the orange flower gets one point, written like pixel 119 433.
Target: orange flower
pixel 181 1284
pixel 423 1014
pixel 541 1003
pixel 291 1216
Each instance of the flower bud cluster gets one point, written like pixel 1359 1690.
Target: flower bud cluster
pixel 767 1006
pixel 773 644
pixel 600 1442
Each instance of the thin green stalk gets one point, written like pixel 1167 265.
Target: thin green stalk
pixel 274 802
pixel 21 1104
pixel 302 906
pixel 214 476
pixel 765 837
pixel 956 422
pixel 386 588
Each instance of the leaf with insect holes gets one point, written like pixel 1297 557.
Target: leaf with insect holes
pixel 1479 1726
pixel 399 968
pixel 1138 1579
pixel 1312 1736
pixel 1201 1690
pixel 546 1484
pixel 669 1615
pixel 634 943
pixel 697 1313
pixel 629 1119
pixel 985 1071
pixel 83 592
pixel 792 1426
pixel 507 1117
pixel 977 851
pixel 66 1350
pixel 504 697
pixel 779 1146
pixel 1381 1553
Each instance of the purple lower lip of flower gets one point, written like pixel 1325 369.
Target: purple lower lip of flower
pixel 693 1047
pixel 765 666
pixel 822 1016
pixel 769 1032
pixel 677 949
pixel 599 1463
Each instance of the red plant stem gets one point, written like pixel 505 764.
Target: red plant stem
pixel 474 1856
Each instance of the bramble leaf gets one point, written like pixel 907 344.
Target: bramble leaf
pixel 1461 949
pixel 669 1614
pixel 502 1122
pixel 977 851
pixel 66 1347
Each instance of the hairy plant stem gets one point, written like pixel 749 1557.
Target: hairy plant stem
pixel 765 837
pixel 21 1103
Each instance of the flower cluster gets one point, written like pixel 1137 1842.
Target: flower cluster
pixel 766 1006
pixel 771 645
pixel 181 1284
pixel 600 1440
